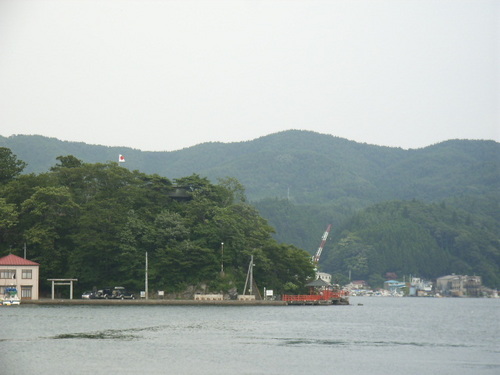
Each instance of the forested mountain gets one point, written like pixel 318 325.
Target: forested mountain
pixel 303 166
pixel 301 181
pixel 95 222
pixel 413 238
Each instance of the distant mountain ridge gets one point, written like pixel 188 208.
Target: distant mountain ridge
pixel 385 203
pixel 303 166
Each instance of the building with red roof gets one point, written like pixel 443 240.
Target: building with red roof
pixel 23 274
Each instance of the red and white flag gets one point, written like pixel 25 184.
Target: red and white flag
pixel 121 158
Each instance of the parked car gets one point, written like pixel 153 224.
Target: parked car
pixel 118 292
pixel 105 293
pixel 121 293
pixel 88 295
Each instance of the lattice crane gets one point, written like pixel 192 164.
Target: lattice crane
pixel 316 257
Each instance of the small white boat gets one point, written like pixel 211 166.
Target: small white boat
pixel 10 297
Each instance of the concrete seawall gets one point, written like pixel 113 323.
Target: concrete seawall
pixel 144 302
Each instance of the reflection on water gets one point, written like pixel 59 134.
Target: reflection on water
pixel 410 335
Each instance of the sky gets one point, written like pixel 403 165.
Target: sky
pixel 164 75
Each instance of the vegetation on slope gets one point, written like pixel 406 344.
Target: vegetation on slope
pixel 304 167
pixel 95 222
pixel 301 181
pixel 413 238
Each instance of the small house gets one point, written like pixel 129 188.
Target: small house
pixel 20 273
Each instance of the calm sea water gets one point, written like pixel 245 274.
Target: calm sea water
pixel 383 335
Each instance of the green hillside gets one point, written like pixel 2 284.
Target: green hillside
pixel 413 238
pixel 301 181
pixel 96 222
pixel 302 166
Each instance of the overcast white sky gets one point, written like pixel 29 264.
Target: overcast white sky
pixel 164 75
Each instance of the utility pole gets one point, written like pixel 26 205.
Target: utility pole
pixel 222 259
pixel 250 290
pixel 146 278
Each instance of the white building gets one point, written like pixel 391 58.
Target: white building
pixel 20 273
pixel 459 285
pixel 324 276
pixel 420 287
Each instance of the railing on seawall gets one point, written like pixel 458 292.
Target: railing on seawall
pixel 301 297
pixel 323 296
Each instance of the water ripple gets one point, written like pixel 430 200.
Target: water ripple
pixel 320 342
pixel 110 334
pixel 103 335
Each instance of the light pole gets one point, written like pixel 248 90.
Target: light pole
pixel 222 259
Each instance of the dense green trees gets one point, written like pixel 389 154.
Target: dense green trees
pixel 313 179
pixel 10 166
pixel 95 222
pixel 299 181
pixel 428 240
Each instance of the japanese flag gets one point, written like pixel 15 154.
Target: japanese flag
pixel 121 159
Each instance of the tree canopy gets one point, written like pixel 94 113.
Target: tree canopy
pixel 95 222
pixel 300 181
pixel 414 238
pixel 10 166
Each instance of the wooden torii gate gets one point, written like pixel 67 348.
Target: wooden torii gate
pixel 63 282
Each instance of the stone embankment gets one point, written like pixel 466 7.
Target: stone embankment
pixel 142 302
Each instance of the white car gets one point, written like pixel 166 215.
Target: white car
pixel 88 295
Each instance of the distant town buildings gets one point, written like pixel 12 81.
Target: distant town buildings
pixel 460 286
pixel 420 287
pixel 358 288
pixel 446 286
pixel 394 286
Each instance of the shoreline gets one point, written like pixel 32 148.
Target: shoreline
pixel 149 302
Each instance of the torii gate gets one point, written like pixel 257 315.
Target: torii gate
pixel 63 282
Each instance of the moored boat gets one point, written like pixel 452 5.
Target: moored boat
pixel 11 297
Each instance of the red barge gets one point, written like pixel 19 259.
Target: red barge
pixel 321 293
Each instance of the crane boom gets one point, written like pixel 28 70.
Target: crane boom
pixel 322 244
